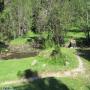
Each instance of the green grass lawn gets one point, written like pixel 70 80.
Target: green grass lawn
pixel 18 41
pixel 52 83
pixel 75 35
pixel 22 40
pixel 10 68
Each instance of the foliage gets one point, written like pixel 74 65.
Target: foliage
pixel 19 17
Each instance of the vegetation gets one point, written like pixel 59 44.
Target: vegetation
pixel 53 84
pixel 45 36
pixel 39 63
pixel 19 17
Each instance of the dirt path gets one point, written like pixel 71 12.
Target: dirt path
pixel 70 73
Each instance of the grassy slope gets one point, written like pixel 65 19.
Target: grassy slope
pixel 10 68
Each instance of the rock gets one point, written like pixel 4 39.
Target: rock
pixel 34 63
pixel 73 43
pixel 67 63
pixel 67 44
pixel 44 65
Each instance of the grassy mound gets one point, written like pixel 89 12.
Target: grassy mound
pixel 41 63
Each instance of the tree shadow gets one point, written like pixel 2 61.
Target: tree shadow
pixel 85 53
pixel 34 82
pixel 74 30
pixel 3 46
pixel 82 42
pixel 43 84
pixel 88 87
pixel 28 74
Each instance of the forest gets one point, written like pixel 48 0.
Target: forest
pixel 44 44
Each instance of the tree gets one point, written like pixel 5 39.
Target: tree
pixel 1 5
pixel 15 19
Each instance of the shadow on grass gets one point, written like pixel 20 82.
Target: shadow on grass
pixel 28 74
pixel 88 87
pixel 34 82
pixel 43 84
pixel 85 53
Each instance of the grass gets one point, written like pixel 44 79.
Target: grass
pixel 18 41
pixel 22 40
pixel 52 83
pixel 86 61
pixel 75 35
pixel 70 56
pixel 10 68
pixel 75 83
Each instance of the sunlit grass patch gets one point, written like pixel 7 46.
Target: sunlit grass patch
pixel 40 63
